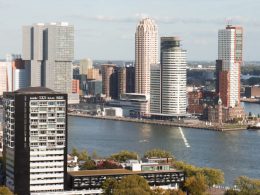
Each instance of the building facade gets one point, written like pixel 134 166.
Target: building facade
pixel 130 79
pixel 146 53
pixel 85 65
pixel 230 58
pixel 168 80
pixel 49 50
pixel 14 74
pixel 253 91
pixel 173 77
pixel 109 81
pixel 35 140
pixel 155 90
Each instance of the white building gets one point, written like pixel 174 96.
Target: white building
pixel 35 146
pixel 168 80
pixel 230 54
pixel 14 74
pixel 113 111
pixel 173 77
pixel 146 53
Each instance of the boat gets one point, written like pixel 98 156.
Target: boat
pixel 254 127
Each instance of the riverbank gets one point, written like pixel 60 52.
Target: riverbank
pixel 194 124
pixel 250 100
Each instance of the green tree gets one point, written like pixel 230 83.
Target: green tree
pixel 158 153
pixel 188 169
pixel 124 155
pixel 248 186
pixel 5 191
pixel 109 185
pixel 88 165
pixel 196 185
pixel 174 192
pixel 213 176
pixel 132 185
pixel 94 154
pixel 83 155
pixel 74 152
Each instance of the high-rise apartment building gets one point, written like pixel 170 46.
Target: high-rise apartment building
pixel 49 50
pixel 84 65
pixel 155 91
pixel 14 74
pixel 173 76
pixel 228 66
pixel 35 140
pixel 130 78
pixel 168 80
pixel 109 80
pixel 146 53
pixel 121 71
pixel 4 77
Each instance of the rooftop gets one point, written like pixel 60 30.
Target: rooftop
pixel 35 90
pixel 112 172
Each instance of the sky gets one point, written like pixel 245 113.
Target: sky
pixel 104 29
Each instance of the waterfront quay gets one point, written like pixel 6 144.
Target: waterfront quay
pixel 196 124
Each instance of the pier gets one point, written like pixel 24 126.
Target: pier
pixel 196 125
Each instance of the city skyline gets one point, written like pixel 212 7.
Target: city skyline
pixel 100 23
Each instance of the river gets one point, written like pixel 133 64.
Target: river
pixel 236 153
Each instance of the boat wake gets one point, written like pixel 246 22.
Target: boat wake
pixel 184 138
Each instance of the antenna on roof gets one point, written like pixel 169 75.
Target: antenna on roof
pixel 228 21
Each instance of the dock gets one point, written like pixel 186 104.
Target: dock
pixel 197 125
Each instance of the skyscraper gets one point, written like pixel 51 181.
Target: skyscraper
pixel 174 77
pixel 130 78
pixel 85 64
pixel 228 66
pixel 155 91
pixel 14 74
pixel 168 80
pixel 146 53
pixel 49 50
pixel 35 140
pixel 109 80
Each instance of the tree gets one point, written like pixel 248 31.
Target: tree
pixel 248 186
pixel 196 185
pixel 88 165
pixel 5 191
pixel 250 114
pixel 213 176
pixel 231 192
pixel 75 152
pixel 109 165
pixel 132 185
pixel 109 185
pixel 188 169
pixel 124 155
pixel 174 192
pixel 83 155
pixel 158 153
pixel 94 154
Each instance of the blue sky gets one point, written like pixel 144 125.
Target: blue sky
pixel 104 29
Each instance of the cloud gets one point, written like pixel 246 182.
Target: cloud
pixel 170 20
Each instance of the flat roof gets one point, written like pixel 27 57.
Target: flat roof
pixel 114 172
pixel 36 90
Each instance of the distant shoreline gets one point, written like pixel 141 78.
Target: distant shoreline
pixel 201 125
